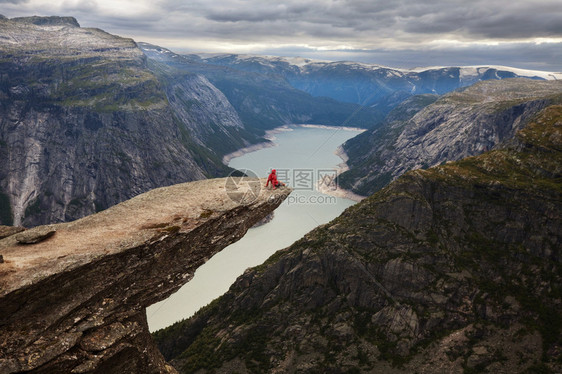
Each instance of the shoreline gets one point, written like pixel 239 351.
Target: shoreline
pixel 345 128
pixel 242 151
pixel 338 191
pixel 270 137
pixel 340 168
pixel 341 193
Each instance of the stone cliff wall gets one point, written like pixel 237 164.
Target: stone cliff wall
pixel 75 301
pixel 85 124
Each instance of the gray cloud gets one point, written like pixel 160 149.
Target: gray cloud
pixel 13 2
pixel 506 19
pixel 523 55
pixel 491 19
pixel 366 28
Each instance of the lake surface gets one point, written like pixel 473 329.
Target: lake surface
pixel 303 157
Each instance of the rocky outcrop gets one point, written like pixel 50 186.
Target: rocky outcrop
pixel 460 124
pixel 75 301
pixel 85 124
pixel 6 231
pixel 447 270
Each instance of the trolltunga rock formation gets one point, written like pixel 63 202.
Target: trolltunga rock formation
pixel 75 301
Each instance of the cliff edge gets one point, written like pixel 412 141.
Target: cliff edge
pixel 75 301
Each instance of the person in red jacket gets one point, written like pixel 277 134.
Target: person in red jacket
pixel 273 180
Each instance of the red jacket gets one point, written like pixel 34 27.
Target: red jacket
pixel 272 178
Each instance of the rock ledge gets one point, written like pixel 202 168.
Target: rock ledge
pixel 76 301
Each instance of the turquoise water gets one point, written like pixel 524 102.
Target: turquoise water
pixel 303 156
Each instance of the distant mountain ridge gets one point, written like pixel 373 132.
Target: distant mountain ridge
pixel 265 101
pixel 368 84
pixel 293 64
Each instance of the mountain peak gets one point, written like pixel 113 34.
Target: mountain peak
pixel 50 20
pixel 58 36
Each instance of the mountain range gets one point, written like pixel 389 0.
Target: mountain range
pixel 89 119
pixel 452 264
pixel 265 101
pixel 368 84
pixel 426 130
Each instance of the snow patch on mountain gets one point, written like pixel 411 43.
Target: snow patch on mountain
pixel 306 64
pixel 476 70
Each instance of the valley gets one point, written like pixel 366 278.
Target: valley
pixel 115 148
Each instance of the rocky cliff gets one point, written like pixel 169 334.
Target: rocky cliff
pixel 421 134
pixel 85 124
pixel 212 121
pixel 447 270
pixel 74 302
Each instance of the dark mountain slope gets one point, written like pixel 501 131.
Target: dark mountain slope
pixel 451 269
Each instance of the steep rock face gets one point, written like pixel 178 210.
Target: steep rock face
pixel 212 106
pixel 459 124
pixel 361 151
pixel 84 124
pixel 210 118
pixel 75 301
pixel 456 268
pixel 265 101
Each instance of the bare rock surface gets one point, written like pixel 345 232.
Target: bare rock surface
pixel 85 124
pixel 36 235
pixel 76 302
pixel 459 124
pixel 6 231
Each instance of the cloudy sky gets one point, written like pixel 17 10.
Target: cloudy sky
pixel 398 33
